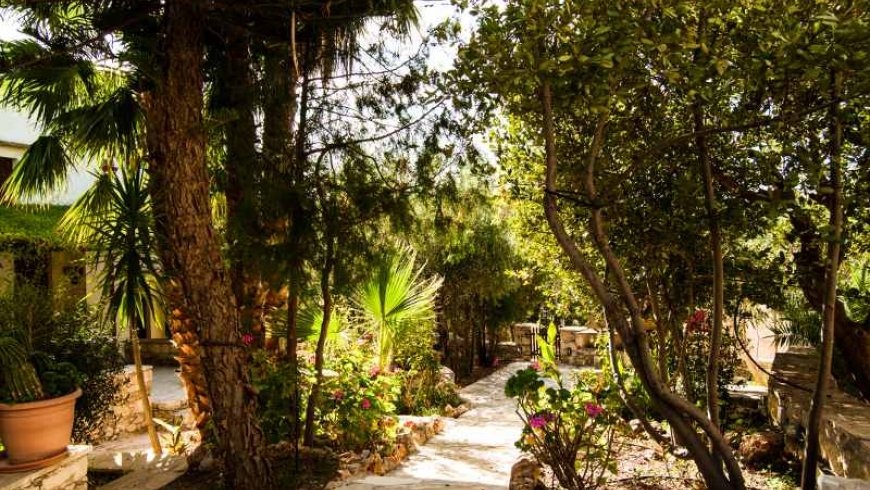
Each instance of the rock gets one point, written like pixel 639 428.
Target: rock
pixel 447 374
pixel 401 451
pixel 344 474
pixel 831 482
pixel 636 426
pixel 376 465
pixel 761 448
pixel 525 474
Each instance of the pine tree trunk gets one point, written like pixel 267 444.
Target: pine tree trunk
pixel 189 246
pixel 814 422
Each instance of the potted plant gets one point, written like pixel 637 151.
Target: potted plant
pixel 37 405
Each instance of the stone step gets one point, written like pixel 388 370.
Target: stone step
pixel 70 473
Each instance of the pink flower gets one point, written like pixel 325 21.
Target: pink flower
pixel 338 395
pixel 374 371
pixel 536 365
pixel 593 410
pixel 248 339
pixel 366 404
pixel 538 421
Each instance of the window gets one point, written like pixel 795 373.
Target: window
pixel 5 168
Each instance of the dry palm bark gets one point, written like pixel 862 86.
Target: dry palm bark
pixel 189 246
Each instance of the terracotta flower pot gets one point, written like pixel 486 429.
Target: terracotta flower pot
pixel 40 430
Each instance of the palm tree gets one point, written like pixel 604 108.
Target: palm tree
pixel 396 298
pixel 113 220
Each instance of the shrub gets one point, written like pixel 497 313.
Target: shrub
pixel 359 405
pixel 275 383
pixel 422 390
pixel 569 429
pixel 89 344
pixel 66 347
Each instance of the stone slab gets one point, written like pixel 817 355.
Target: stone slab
pixel 830 482
pixel 845 431
pixel 71 473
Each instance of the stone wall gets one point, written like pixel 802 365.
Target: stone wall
pixel 126 415
pixel 70 473
pixel 845 434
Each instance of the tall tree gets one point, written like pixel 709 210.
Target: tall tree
pixel 189 246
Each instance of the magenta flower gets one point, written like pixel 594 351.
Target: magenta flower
pixel 366 404
pixel 537 421
pixel 536 365
pixel 338 395
pixel 593 410
pixel 248 339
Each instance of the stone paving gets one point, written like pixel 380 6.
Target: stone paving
pixel 475 451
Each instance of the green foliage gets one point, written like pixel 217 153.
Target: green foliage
pixel 856 291
pixel 114 221
pixel 89 344
pixel 423 391
pixel 31 224
pixel 697 349
pixel 798 324
pixel 569 429
pixel 395 299
pixel 275 382
pixel 310 320
pixel 359 406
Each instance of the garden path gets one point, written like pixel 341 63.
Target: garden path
pixel 475 451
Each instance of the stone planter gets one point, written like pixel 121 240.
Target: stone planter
pixel 36 433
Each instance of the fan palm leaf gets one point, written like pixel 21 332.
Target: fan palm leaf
pixel 394 299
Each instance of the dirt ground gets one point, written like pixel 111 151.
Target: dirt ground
pixel 643 467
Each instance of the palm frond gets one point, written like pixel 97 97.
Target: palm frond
pixel 113 125
pixel 797 324
pixel 78 222
pixel 396 298
pixel 310 320
pixel 44 83
pixel 119 231
pixel 41 171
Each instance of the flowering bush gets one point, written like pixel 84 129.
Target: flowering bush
pixel 569 429
pixel 359 408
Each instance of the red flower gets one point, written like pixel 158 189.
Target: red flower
pixel 365 404
pixel 338 395
pixel 536 365
pixel 374 371
pixel 248 339
pixel 593 410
